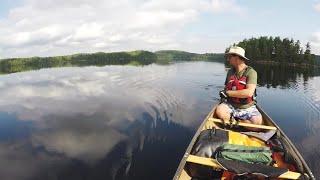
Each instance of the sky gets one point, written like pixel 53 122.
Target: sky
pixel 61 27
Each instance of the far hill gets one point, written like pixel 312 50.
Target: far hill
pixel 174 55
pixel 139 57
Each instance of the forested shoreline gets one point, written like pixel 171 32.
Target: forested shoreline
pixel 13 65
pixel 274 50
pixel 262 50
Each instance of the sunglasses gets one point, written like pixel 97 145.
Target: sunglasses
pixel 230 56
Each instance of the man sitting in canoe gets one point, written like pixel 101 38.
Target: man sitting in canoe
pixel 240 86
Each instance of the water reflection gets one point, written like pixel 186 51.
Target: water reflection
pixel 97 123
pixel 283 76
pixel 125 122
pixel 296 110
pixel 310 144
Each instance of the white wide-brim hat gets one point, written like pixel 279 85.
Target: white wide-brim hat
pixel 236 50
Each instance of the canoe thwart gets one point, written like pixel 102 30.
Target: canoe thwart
pixel 203 160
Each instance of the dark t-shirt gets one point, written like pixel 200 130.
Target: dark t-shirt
pixel 252 78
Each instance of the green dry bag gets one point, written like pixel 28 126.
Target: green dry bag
pixel 248 154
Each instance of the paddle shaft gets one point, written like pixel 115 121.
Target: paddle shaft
pixel 243 124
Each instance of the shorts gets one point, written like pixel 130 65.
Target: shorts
pixel 243 114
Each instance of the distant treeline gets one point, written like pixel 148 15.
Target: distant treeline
pixel 276 50
pixel 173 55
pixel 100 59
pixel 264 49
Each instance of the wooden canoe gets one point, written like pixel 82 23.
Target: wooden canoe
pixel 302 171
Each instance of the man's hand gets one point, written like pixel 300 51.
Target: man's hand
pixel 243 93
pixel 223 94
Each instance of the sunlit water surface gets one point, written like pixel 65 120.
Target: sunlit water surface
pixel 127 122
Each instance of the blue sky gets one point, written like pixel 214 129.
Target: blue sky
pixel 59 27
pixel 5 7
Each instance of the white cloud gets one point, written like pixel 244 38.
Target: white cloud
pixel 88 31
pixel 56 27
pixel 314 86
pixel 39 36
pixel 316 37
pixel 83 113
pixel 83 26
pixel 315 42
pixel 317 7
pixel 89 146
pixel 224 6
pixel 68 91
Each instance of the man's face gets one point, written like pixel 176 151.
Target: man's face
pixel 232 59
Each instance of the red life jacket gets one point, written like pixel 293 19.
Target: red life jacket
pixel 235 83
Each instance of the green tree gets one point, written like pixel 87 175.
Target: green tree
pixel 276 49
pixel 308 58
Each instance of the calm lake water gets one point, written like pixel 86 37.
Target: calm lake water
pixel 126 122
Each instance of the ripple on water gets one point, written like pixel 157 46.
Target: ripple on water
pixel 123 117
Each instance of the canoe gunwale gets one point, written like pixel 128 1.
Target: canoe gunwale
pixel 280 133
pixel 267 121
pixel 185 156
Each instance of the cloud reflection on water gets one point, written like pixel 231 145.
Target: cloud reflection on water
pixel 83 114
pixel 85 90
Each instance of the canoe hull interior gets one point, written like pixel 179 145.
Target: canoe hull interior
pixel 191 165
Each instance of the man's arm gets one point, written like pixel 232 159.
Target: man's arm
pixel 244 93
pixel 250 87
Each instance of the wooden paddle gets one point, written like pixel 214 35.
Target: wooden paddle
pixel 215 120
